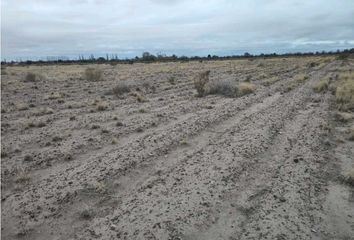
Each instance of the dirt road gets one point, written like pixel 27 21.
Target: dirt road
pixel 174 166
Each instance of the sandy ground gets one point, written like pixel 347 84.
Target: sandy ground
pixel 175 166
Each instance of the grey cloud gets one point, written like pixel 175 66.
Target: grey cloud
pixel 72 27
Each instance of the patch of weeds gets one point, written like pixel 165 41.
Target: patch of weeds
pixel 351 133
pixel 320 86
pixel 140 98
pixel 114 141
pixel 40 124
pixel 119 124
pixel 313 64
pixel 93 74
pixel 246 88
pixel 139 130
pixel 22 177
pixel 31 125
pixel 87 214
pixel 200 82
pixel 223 87
pixel 31 77
pixel 142 110
pixel 104 131
pixel 22 233
pixel 184 142
pixel 172 80
pixel 349 177
pixel 248 78
pixel 56 139
pixel 36 124
pixel 100 187
pixel 28 158
pixel 120 89
pixel 343 56
pixel 231 88
pixel 54 95
pixel 345 92
pixel 301 77
pixel 102 106
pixel 22 106
pixel 146 85
pixel 344 117
pixel 3 154
pixel 270 81
pixel 44 111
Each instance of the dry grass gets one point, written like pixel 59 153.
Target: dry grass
pixel 301 77
pixel 22 176
pixel 345 92
pixel 140 98
pixel 200 82
pixel 344 116
pixel 172 80
pixel 320 86
pixel 30 77
pixel 223 87
pixel 246 88
pixel 54 95
pixel 270 81
pixel 231 88
pixel 22 106
pixel 349 177
pixel 120 89
pixel 102 106
pixel 39 124
pixel 44 111
pixel 87 214
pixel 93 74
pixel 351 133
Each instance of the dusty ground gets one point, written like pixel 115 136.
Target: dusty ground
pixel 78 163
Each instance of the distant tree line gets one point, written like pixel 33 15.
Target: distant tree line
pixel 160 57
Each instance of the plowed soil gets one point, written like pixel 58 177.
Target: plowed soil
pixel 81 163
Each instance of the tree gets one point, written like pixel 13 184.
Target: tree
pixel 148 57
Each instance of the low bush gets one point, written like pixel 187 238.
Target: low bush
pixel 93 74
pixel 224 87
pixel 120 89
pixel 31 77
pixel 320 86
pixel 246 88
pixel 301 77
pixel 231 88
pixel 345 92
pixel 200 82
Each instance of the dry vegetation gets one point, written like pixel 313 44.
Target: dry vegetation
pixel 225 87
pixel 200 82
pixel 320 86
pixel 178 150
pixel 345 91
pixel 93 74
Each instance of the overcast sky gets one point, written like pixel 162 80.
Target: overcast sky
pixel 37 28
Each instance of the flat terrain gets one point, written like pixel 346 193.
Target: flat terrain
pixel 158 162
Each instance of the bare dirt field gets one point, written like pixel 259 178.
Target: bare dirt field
pixel 84 159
